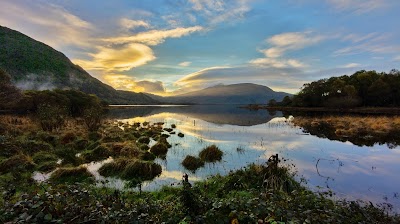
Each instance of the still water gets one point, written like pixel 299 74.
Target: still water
pixel 245 137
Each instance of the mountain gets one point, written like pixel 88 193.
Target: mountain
pixel 244 93
pixel 33 65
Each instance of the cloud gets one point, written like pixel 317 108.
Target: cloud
pixel 46 22
pixel 128 83
pixel 154 37
pixel 291 41
pixel 118 59
pixel 369 43
pixel 277 63
pixel 185 63
pixel 358 6
pixel 352 65
pixel 133 24
pixel 282 79
pixel 219 11
pixel 281 44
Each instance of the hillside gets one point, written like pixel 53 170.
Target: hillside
pixel 244 93
pixel 36 66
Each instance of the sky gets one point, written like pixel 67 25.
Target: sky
pixel 170 47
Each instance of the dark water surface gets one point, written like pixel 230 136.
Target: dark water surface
pixel 351 171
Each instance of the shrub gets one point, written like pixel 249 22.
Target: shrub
pixel 211 154
pixel 192 163
pixel 51 117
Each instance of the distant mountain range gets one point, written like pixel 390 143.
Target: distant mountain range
pixel 36 66
pixel 244 93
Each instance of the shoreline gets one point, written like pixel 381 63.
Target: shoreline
pixel 358 110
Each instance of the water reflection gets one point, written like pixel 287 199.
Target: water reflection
pixel 351 171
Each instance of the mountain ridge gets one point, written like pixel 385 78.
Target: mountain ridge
pixel 34 65
pixel 241 93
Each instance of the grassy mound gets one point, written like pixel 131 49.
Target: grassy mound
pixel 211 154
pixel 159 149
pixel 131 169
pixel 17 163
pixel 192 163
pixel 71 175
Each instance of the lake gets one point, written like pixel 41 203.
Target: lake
pixel 350 171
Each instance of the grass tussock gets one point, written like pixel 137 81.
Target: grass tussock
pixel 192 163
pixel 17 163
pixel 131 169
pixel 101 152
pixel 211 154
pixel 71 175
pixel 159 149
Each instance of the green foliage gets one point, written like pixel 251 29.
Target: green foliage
pixel 51 117
pixel 211 154
pixel 363 88
pixel 9 94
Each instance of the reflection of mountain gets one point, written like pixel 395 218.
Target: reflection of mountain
pixel 243 93
pixel 216 114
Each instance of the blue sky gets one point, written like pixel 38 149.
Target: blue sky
pixel 174 46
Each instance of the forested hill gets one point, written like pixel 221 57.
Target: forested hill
pixel 33 65
pixel 363 88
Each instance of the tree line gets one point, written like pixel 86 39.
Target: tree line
pixel 51 107
pixel 363 88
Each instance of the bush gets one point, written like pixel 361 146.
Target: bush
pixel 211 154
pixel 51 117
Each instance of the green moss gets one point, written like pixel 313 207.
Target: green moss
pixel 72 175
pixel 192 163
pixel 211 154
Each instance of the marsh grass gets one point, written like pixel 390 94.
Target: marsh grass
pixel 131 169
pixel 71 175
pixel 360 130
pixel 159 149
pixel 192 163
pixel 17 163
pixel 211 154
pixel 101 152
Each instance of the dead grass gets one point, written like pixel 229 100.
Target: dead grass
pixel 353 125
pixel 211 154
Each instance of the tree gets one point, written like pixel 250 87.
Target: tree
pixel 9 94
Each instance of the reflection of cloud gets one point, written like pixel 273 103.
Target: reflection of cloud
pixel 154 37
pixel 57 28
pixel 118 59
